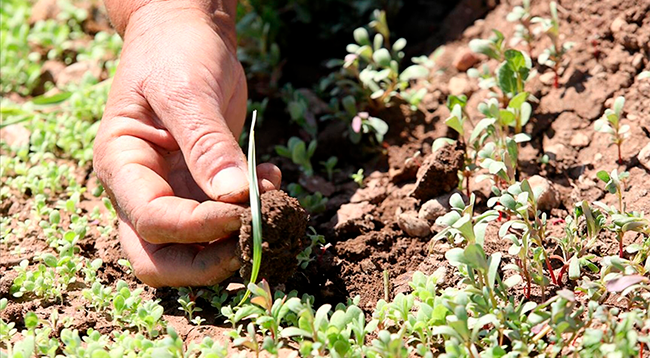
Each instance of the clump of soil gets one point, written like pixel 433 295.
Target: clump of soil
pixel 439 172
pixel 284 223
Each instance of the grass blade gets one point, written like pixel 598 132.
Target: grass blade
pixel 256 209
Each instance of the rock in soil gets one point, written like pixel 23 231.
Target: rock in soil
pixel 644 156
pixel 353 218
pixel 465 60
pixel 439 172
pixel 436 207
pixel 580 140
pixel 548 196
pixel 284 223
pixel 412 225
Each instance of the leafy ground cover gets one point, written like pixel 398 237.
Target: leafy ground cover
pixel 484 198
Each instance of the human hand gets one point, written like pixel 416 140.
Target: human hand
pixel 166 150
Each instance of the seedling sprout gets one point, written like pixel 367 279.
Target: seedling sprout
pixel 256 208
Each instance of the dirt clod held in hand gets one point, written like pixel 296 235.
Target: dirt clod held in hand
pixel 439 172
pixel 284 223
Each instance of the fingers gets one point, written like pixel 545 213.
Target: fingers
pixel 135 173
pixel 205 113
pixel 179 264
pixel 269 177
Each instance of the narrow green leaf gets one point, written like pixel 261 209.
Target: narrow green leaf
pixel 256 210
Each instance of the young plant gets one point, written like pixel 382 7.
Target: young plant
pixel 622 221
pixel 306 256
pixel 376 64
pixel 552 56
pixel 529 227
pixel 329 166
pixel 299 153
pixel 611 124
pixel 577 242
pixel 521 15
pixel 313 203
pixel 187 300
pixel 358 177
pixel 364 123
pixel 256 207
pixel 461 226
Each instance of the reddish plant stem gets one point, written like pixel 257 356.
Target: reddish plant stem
pixel 620 247
pixel 620 158
pixel 562 271
pixel 550 270
pixel 527 288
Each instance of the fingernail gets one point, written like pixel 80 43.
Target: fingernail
pixel 229 182
pixel 234 264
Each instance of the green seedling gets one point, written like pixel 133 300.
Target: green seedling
pixel 375 63
pixel 188 305
pixel 553 55
pixel 521 15
pixel 494 47
pixel 299 153
pixel 316 242
pixel 529 227
pixel 363 123
pixel 614 183
pixel 257 49
pixel 611 124
pixel 643 75
pixel 358 177
pixel 313 203
pixel 298 107
pixel 577 242
pixel 456 120
pixel 622 221
pixel 329 166
pixel 256 207
pixel 461 226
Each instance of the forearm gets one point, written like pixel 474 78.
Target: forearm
pixel 123 12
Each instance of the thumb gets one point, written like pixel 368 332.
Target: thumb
pixel 205 132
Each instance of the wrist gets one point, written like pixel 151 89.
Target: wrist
pixel 132 17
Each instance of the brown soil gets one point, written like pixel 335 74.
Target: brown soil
pixel 361 223
pixel 284 224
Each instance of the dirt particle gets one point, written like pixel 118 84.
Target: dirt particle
pixel 439 172
pixel 412 225
pixel 548 196
pixel 580 140
pixel 436 207
pixel 465 60
pixel 284 223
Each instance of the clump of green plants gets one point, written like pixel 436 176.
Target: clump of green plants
pixel 375 63
pixel 313 203
pixel 611 124
pixel 299 152
pixel 554 54
pixel 521 15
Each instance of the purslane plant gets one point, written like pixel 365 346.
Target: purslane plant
pixel 527 232
pixel 611 124
pixel 299 152
pixel 553 55
pixel 521 15
pixel 376 63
